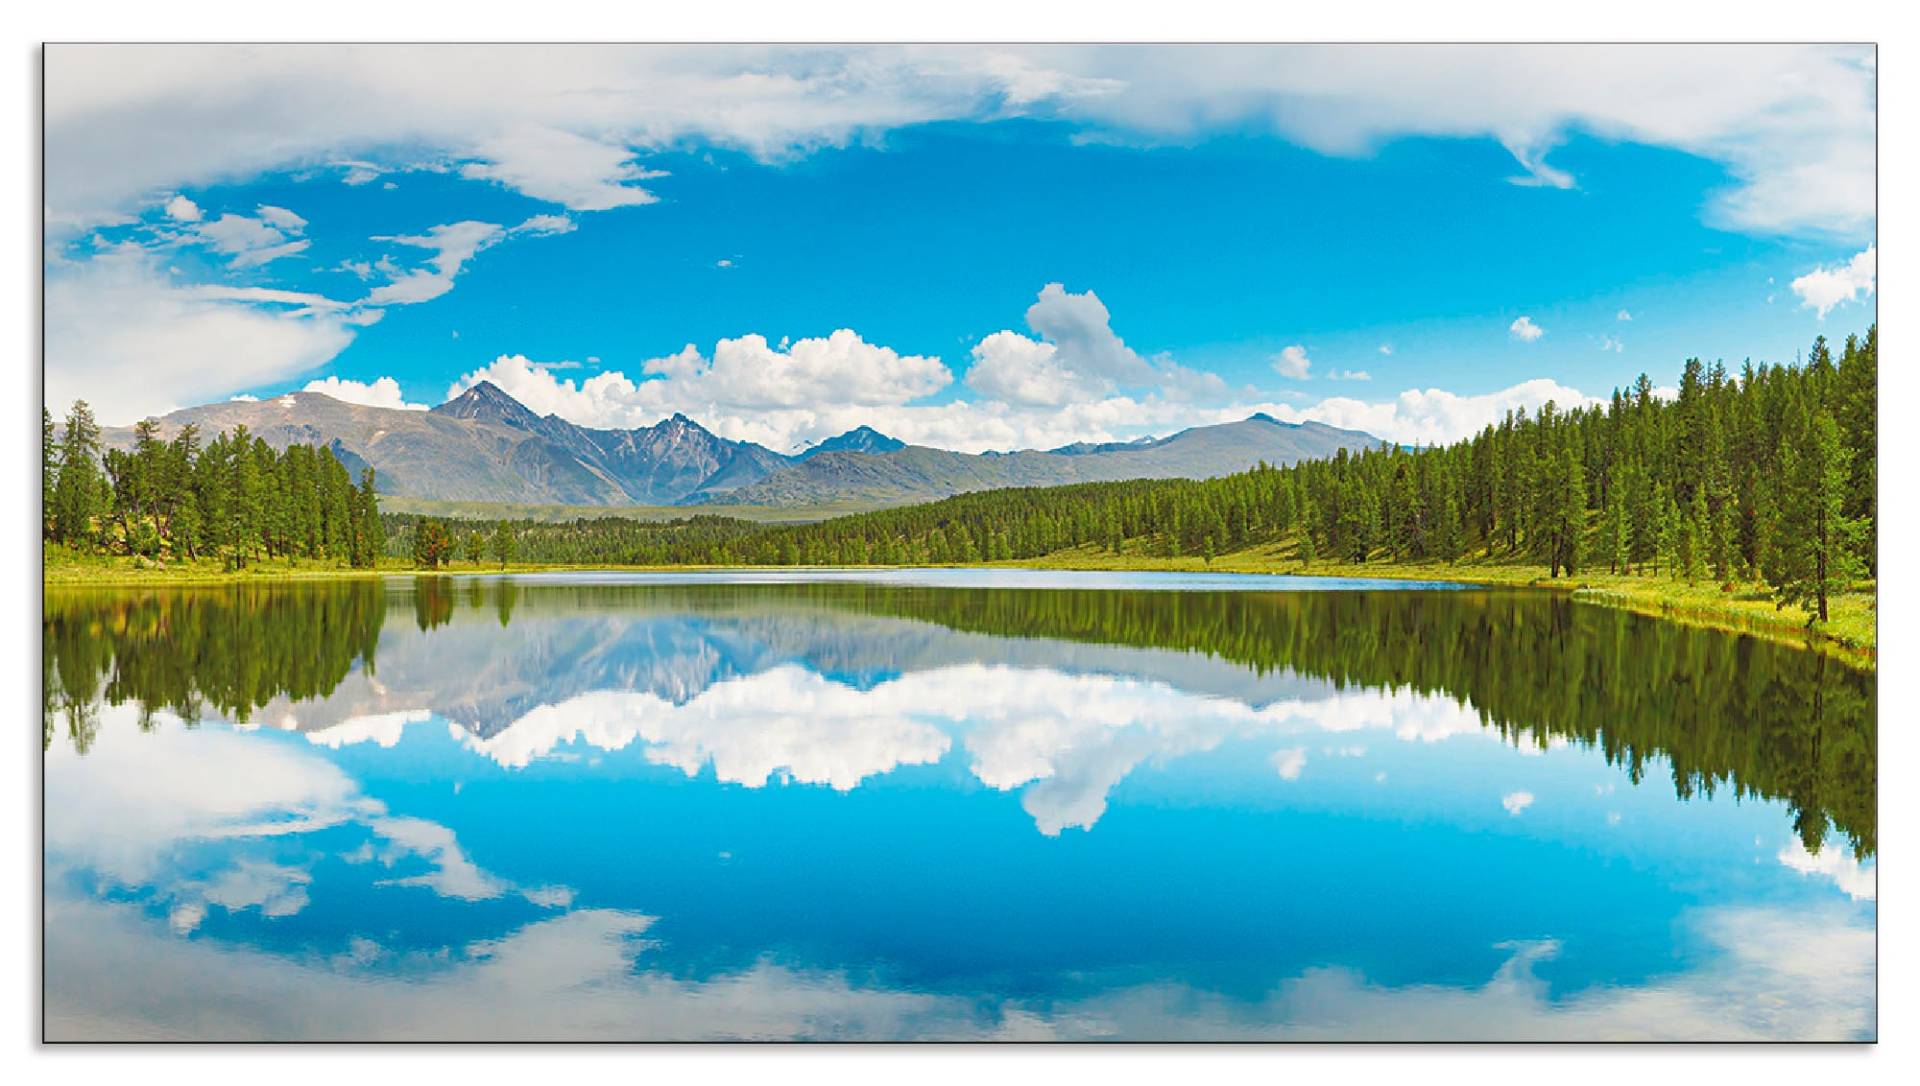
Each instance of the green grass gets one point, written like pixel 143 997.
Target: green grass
pixel 1850 632
pixel 550 514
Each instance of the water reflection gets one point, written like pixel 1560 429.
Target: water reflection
pixel 490 809
pixel 821 679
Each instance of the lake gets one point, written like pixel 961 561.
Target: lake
pixel 944 804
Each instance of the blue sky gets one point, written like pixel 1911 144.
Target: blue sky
pixel 1023 247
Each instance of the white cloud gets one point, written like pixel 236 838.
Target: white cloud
pixel 1063 739
pixel 254 258
pixel 1859 881
pixel 357 173
pixel 1289 761
pixel 1825 287
pixel 1011 368
pixel 381 729
pixel 1292 362
pixel 578 172
pixel 1609 343
pixel 1769 975
pixel 743 380
pixel 282 218
pixel 541 226
pixel 1349 375
pixel 1430 416
pixel 787 723
pixel 135 802
pixel 181 209
pixel 1623 315
pixel 452 245
pixel 251 241
pixel 1515 802
pixel 118 314
pixel 380 392
pixel 1525 330
pixel 1077 357
pixel 564 123
pixel 1386 348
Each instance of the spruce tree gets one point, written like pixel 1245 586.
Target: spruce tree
pixel 79 491
pixel 1818 559
pixel 49 472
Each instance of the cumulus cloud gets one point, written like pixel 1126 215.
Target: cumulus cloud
pixel 181 209
pixel 1292 362
pixel 1515 802
pixel 1077 357
pixel 1825 287
pixel 380 392
pixel 1064 740
pixel 1623 315
pixel 568 123
pixel 1525 330
pixel 1859 881
pixel 744 379
pixel 1386 348
pixel 1011 368
pixel 1433 416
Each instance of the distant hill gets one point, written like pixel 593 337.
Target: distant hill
pixel 915 473
pixel 486 446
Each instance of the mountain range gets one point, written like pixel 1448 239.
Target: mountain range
pixel 484 445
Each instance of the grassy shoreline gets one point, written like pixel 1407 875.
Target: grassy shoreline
pixel 1850 634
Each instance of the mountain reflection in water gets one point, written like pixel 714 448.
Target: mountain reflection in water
pixel 682 808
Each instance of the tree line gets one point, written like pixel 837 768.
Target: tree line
pixel 1767 475
pixel 234 498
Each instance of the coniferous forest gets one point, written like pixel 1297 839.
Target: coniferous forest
pixel 1764 475
pixel 234 498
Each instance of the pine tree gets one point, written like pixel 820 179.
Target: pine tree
pixel 369 534
pixel 1817 542
pixel 1669 537
pixel 1694 534
pixel 1615 538
pixel 49 472
pixel 1567 514
pixel 1856 410
pixel 79 491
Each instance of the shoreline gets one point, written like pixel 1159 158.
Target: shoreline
pixel 1851 635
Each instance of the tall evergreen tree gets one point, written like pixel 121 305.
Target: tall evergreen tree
pixel 1818 557
pixel 80 490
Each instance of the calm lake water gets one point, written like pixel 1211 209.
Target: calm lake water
pixel 944 805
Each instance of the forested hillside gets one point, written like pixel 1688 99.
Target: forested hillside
pixel 1767 475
